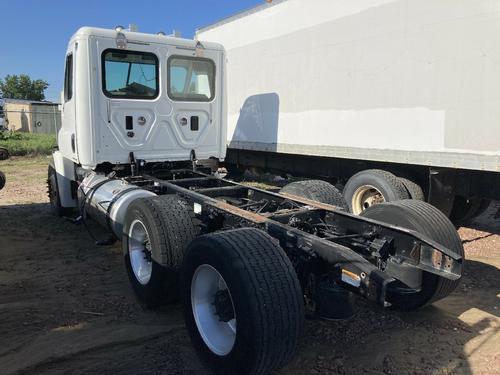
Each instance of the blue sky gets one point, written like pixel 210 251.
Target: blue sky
pixel 35 33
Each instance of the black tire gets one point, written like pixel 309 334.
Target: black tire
pixel 3 179
pixel 464 210
pixel 4 153
pixel 413 189
pixel 382 184
pixel 317 190
pixel 170 229
pixel 53 192
pixel 483 206
pixel 265 293
pixel 428 220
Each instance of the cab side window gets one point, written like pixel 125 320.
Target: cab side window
pixel 68 78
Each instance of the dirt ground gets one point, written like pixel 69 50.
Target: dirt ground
pixel 66 307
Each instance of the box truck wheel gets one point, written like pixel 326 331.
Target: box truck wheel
pixel 2 180
pixel 413 189
pixel 157 230
pixel 466 209
pixel 242 301
pixel 483 206
pixel 53 192
pixel 428 220
pixel 316 190
pixel 373 186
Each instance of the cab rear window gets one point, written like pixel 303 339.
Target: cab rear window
pixel 191 79
pixel 129 74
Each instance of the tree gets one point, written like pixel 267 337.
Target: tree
pixel 22 87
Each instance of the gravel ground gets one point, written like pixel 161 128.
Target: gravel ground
pixel 66 307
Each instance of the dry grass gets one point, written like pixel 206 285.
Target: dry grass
pixel 26 180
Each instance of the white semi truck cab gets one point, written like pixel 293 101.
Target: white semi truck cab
pixel 158 97
pixel 142 134
pixel 132 98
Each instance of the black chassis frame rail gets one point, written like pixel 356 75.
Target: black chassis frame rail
pixel 352 270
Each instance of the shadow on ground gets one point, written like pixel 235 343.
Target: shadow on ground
pixel 438 339
pixel 66 305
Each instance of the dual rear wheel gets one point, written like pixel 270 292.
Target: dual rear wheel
pixel 363 190
pixel 243 304
pixel 233 285
pixel 374 186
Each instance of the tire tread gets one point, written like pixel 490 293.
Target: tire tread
pixel 396 190
pixel 173 230
pixel 2 180
pixel 442 231
pixel 176 224
pixel 414 189
pixel 273 287
pixel 317 190
pixel 431 222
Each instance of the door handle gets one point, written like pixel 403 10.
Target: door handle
pixel 129 123
pixel 195 123
pixel 108 108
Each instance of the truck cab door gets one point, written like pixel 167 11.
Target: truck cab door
pixel 193 89
pixel 66 137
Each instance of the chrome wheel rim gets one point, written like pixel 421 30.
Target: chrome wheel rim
pixel 213 310
pixel 364 197
pixel 140 252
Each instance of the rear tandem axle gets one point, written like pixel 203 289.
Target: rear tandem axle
pixel 319 239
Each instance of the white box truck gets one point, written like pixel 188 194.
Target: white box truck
pixel 363 91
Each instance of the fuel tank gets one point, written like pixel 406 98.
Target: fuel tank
pixel 106 200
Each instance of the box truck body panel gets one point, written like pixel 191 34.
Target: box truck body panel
pixel 412 81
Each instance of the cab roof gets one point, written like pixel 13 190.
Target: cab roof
pixel 87 32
